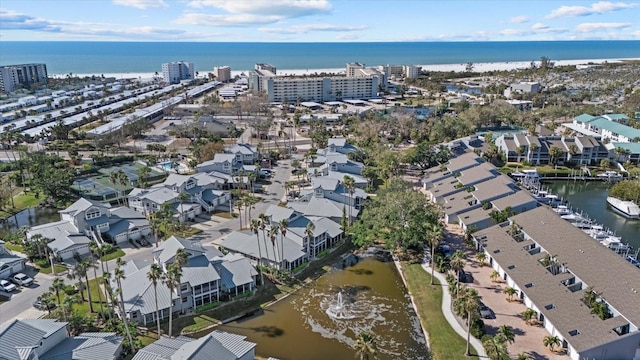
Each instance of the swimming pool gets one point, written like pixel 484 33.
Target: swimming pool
pixel 166 166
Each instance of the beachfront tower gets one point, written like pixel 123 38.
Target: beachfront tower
pixel 222 73
pixel 176 71
pixel 13 77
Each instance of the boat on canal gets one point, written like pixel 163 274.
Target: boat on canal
pixel 627 209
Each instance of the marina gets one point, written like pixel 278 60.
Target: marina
pixel 605 232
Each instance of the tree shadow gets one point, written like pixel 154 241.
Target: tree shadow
pixel 536 355
pixel 269 331
pixel 361 271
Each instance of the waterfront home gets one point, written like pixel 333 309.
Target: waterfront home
pixel 9 262
pixel 207 277
pixel 611 126
pixel 294 248
pixel 44 339
pixel 217 345
pixel 445 183
pixel 582 150
pixel 187 195
pixel 551 265
pixel 525 87
pixel 624 151
pixel 240 157
pixel 87 220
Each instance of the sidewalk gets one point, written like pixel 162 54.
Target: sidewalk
pixel 448 313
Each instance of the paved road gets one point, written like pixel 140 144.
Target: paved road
pixel 21 301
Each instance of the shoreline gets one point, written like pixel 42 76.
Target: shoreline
pixel 477 67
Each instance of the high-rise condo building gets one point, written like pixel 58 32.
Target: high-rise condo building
pixel 176 71
pixel 13 77
pixel 222 73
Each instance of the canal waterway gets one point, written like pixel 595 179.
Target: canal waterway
pixel 313 324
pixel 591 198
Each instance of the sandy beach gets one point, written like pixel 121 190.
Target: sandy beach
pixel 477 67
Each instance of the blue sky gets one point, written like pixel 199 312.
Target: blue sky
pixel 317 20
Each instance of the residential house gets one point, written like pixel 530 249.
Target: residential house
pixel 332 189
pixel 201 282
pixel 611 126
pixel 328 161
pixel 217 345
pixel 583 150
pixel 524 87
pixel 244 153
pixel 297 246
pixel 44 339
pixel 551 265
pixel 340 145
pixel 187 195
pixel 9 262
pixel 87 220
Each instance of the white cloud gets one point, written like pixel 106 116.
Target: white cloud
pixel 281 8
pixel 539 26
pixel 142 4
pixel 589 27
pixel 302 29
pixel 347 37
pixel 225 20
pixel 595 8
pixel 636 34
pixel 12 20
pixel 519 19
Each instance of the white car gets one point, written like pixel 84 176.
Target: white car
pixel 22 279
pixel 7 286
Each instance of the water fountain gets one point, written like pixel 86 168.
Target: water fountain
pixel 337 310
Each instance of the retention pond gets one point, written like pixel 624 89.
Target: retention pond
pixel 323 320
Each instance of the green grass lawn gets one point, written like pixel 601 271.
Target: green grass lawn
pixel 22 201
pixel 57 267
pixel 14 247
pixel 223 214
pixel 444 342
pixel 114 254
pixel 184 233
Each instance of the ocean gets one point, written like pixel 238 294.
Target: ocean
pixel 137 57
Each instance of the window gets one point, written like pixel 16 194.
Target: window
pixel 92 213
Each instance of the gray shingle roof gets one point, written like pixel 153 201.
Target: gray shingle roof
pixel 63 233
pixel 167 250
pixel 162 349
pixel 83 204
pixel 322 207
pixel 199 270
pixel 245 242
pixel 235 270
pixel 218 345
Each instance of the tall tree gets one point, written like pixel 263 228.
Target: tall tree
pixel 171 280
pixel 284 226
pixel 350 184
pixel 155 275
pixel 255 226
pixel 308 232
pixel 118 276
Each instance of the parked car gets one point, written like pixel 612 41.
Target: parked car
pixel 6 286
pixel 486 312
pixel 142 242
pixel 465 277
pixel 21 279
pixel 41 306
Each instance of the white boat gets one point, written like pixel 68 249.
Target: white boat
pixel 575 217
pixel 610 175
pixel 625 208
pixel 563 210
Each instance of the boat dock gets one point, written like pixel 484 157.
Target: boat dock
pixel 579 219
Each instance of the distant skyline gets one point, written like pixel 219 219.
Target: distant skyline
pixel 317 20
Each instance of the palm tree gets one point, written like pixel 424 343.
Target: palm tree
pixel 528 315
pixel 105 249
pixel 434 236
pixel 155 223
pixel 481 257
pixel 180 260
pixel 366 346
pixel 467 303
pixel 456 264
pixel 495 347
pixel 171 280
pixel 94 250
pixel 155 275
pixel 510 293
pixel 523 356
pixel 494 276
pixel 507 334
pixel 264 221
pixel 77 273
pixel 273 233
pixel 57 286
pixel 255 225
pixel 551 342
pixel 67 305
pixel 349 183
pixel 284 225
pixel 48 300
pixel 308 231
pixel 118 275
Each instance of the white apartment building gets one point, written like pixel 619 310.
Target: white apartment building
pixel 321 89
pixel 12 77
pixel 354 68
pixel 222 73
pixel 176 71
pixel 411 71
